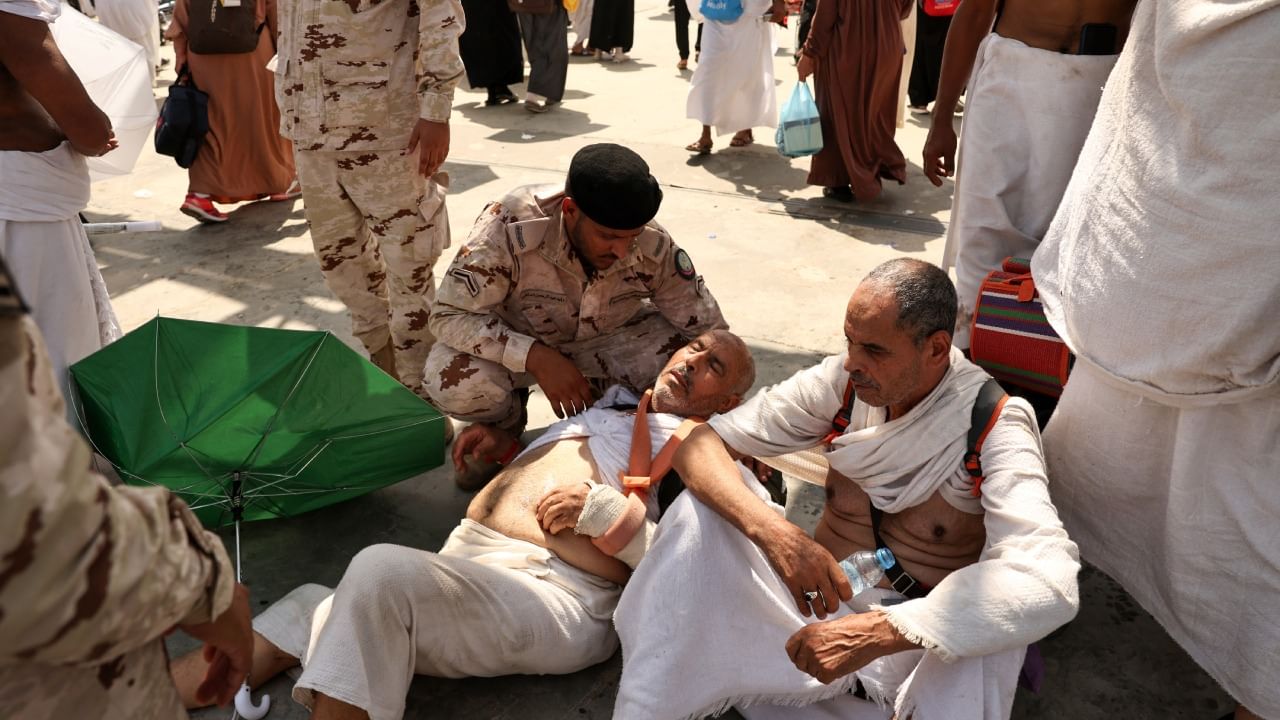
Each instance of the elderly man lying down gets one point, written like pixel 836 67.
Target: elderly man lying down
pixel 528 582
pixel 983 566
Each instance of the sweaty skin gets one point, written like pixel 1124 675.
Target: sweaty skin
pixel 1055 24
pixel 929 540
pixel 42 102
pixel 509 503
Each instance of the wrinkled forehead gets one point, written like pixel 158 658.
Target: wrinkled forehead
pixel 872 312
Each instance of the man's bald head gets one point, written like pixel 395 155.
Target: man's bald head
pixel 711 374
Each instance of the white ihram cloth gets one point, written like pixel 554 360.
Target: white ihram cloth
pixel 485 605
pixel 1026 117
pixel 975 623
pixel 581 19
pixel 48 253
pixel 732 88
pixel 1162 273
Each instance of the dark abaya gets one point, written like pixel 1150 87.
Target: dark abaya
pixel 931 36
pixel 613 24
pixel 490 46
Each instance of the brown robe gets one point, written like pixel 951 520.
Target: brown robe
pixel 859 48
pixel 243 156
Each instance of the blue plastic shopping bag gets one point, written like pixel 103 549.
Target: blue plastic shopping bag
pixel 799 129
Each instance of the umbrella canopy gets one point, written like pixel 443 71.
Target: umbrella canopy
pixel 269 422
pixel 114 72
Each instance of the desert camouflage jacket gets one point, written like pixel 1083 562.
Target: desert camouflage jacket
pixel 91 576
pixel 357 74
pixel 518 280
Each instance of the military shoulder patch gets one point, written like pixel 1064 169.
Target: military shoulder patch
pixel 467 277
pixel 684 266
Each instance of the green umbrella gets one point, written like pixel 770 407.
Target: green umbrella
pixel 248 423
pixel 251 423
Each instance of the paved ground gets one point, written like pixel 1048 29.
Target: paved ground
pixel 781 260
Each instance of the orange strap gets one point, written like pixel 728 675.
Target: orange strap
pixel 643 474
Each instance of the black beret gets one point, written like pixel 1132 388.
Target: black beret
pixel 613 187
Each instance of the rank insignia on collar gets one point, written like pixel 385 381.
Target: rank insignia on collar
pixel 684 266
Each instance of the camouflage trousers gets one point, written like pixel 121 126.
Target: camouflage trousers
pixel 378 228
pixel 477 390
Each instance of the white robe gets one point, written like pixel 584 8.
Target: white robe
pixel 1027 114
pixel 701 572
pixel 1162 273
pixel 48 253
pixel 732 87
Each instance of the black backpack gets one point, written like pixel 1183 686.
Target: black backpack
pixel 183 121
pixel 217 29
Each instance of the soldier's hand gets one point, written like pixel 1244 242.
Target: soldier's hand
pixel 228 647
pixel 565 387
pixel 940 151
pixel 431 140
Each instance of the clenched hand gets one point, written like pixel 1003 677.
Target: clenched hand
pixel 431 140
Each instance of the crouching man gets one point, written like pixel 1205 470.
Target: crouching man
pixel 983 565
pixel 528 582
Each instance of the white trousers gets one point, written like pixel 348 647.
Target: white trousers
pixel 485 605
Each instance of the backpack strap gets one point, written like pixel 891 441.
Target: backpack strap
pixel 840 422
pixel 986 411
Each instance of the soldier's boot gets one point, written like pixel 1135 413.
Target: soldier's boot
pixel 480 471
pixel 385 360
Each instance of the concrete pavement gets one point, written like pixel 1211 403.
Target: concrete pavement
pixel 781 260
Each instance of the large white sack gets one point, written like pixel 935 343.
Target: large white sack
pixel 115 73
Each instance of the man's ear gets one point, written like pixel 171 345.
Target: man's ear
pixel 730 402
pixel 939 345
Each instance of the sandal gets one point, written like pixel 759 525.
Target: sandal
pixel 843 193
pixel 699 147
pixel 740 140
pixel 579 51
pixel 682 65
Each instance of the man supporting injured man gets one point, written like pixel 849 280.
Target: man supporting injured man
pixel 992 567
pixel 528 582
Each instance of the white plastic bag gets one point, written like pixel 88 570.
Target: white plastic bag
pixel 799 131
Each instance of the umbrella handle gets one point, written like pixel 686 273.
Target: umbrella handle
pixel 245 706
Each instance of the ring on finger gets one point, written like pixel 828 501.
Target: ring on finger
pixel 811 595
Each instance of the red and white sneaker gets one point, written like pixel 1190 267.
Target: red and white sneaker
pixel 201 208
pixel 293 193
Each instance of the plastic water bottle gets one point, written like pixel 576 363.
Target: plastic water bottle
pixel 865 568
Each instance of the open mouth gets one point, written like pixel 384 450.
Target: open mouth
pixel 677 379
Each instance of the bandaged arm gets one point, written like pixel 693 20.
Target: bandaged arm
pixel 617 524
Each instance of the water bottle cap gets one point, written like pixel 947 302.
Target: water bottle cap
pixel 884 556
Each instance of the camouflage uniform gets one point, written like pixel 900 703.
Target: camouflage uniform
pixel 518 281
pixel 352 79
pixel 91 576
